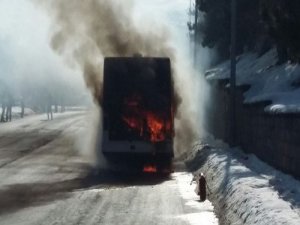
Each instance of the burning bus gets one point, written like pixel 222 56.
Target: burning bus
pixel 138 108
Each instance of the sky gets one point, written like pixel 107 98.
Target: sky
pixel 25 33
pixel 24 46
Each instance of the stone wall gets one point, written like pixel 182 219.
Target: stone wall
pixel 274 138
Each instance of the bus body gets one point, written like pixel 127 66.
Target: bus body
pixel 138 108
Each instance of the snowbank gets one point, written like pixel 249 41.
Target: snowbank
pixel 199 212
pixel 69 108
pixel 16 112
pixel 246 190
pixel 279 84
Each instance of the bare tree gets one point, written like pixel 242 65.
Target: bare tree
pixel 49 107
pixel 3 112
pixel 22 108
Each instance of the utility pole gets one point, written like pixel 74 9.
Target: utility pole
pixel 196 32
pixel 233 119
pixel 190 27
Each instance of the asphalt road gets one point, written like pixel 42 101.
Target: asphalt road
pixel 46 177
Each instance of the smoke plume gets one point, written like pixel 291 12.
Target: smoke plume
pixel 86 31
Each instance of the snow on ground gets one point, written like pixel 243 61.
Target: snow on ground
pixel 268 81
pixel 246 190
pixel 30 114
pixel 36 121
pixel 16 112
pixel 203 212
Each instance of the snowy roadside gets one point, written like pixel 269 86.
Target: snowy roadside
pixel 246 190
pixel 28 112
pixel 200 212
pixel 17 111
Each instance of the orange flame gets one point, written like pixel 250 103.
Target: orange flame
pixel 147 123
pixel 156 127
pixel 149 169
